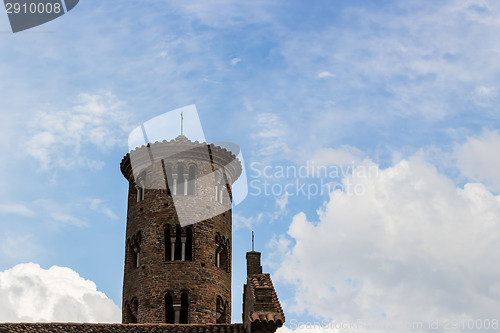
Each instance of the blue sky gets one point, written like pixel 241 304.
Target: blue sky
pixel 409 89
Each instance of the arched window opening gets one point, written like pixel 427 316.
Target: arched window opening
pixel 220 310
pixel 169 309
pixel 129 317
pixel 134 249
pixel 219 187
pixel 191 180
pixel 189 244
pixel 221 252
pixel 178 245
pixel 224 256
pixel 168 245
pixel 218 250
pixel 132 311
pixel 184 308
pixel 180 180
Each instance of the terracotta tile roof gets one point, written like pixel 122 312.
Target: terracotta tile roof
pixel 266 307
pixel 119 328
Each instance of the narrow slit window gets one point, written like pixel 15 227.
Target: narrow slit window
pixel 191 179
pixel 224 256
pixel 184 308
pixel 168 245
pixel 134 254
pixel 189 244
pixel 180 180
pixel 169 310
pixel 178 245
pixel 134 311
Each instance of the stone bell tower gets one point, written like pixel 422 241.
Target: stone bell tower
pixel 178 236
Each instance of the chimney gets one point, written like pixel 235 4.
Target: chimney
pixel 253 263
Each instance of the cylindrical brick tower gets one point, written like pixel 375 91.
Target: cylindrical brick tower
pixel 178 237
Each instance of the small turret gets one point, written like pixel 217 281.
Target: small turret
pixel 262 310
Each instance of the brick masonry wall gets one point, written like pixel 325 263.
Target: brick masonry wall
pixel 253 263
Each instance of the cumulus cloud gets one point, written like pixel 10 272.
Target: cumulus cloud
pixel 29 293
pixel 411 247
pixel 478 159
pixel 59 137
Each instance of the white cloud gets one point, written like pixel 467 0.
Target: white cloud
pixel 483 91
pixel 29 293
pixel 479 160
pixel 282 202
pixel 343 156
pixel 61 214
pixel 271 126
pixel 240 221
pixel 420 58
pixel 323 75
pixel 18 247
pixel 252 222
pixel 224 13
pixel 98 205
pixel 235 61
pixel 485 96
pixel 59 137
pixel 272 135
pixel 412 247
pixel 57 215
pixel 17 209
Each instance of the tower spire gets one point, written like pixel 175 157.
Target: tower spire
pixel 182 122
pixel 253 248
